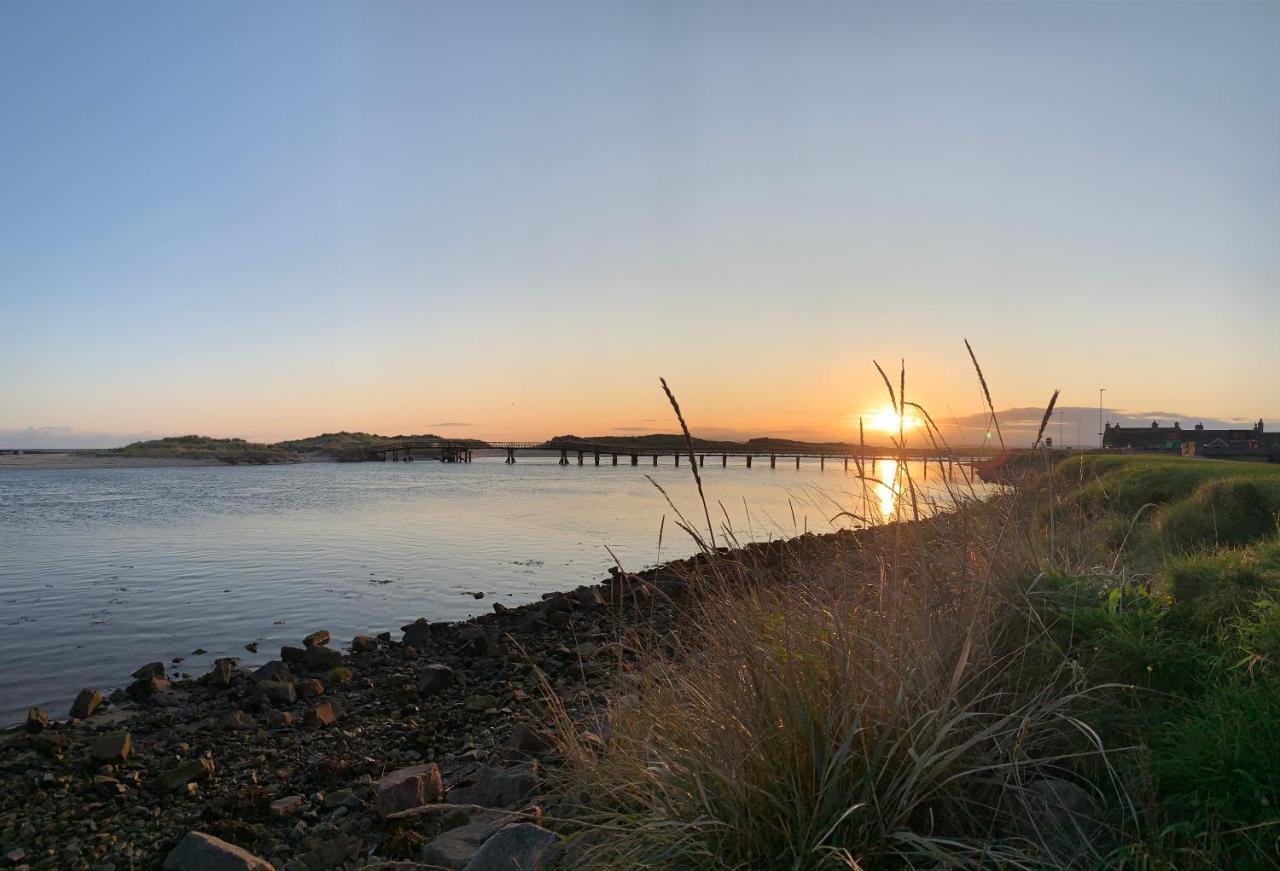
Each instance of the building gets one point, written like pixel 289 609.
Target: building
pixel 1197 441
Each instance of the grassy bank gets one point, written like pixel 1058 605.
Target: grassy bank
pixel 195 447
pixel 1083 673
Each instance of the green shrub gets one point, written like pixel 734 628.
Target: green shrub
pixel 1229 511
pixel 1209 587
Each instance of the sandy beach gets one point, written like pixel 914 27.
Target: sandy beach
pixel 93 461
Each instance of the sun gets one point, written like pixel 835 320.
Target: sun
pixel 887 420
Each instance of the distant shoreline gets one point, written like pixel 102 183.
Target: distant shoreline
pixel 73 460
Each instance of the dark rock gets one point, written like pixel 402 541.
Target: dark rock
pixel 287 806
pixel 111 749
pixel 433 679
pixel 323 658
pixel 52 743
pixel 454 848
pixel 480 703
pixel 144 688
pixel 308 688
pixel 151 669
pixel 322 715
pixel 590 598
pixel 517 847
pixel 363 644
pixel 483 641
pixel 316 639
pixel 252 647
pixel 240 721
pixel 342 798
pixel 497 787
pixel 409 788
pixel 294 655
pixel 86 703
pixel 280 719
pixel 200 852
pixel 417 633
pixel 280 692
pixel 37 720
pixel 191 771
pixel 222 672
pixel 527 740
pixel 273 671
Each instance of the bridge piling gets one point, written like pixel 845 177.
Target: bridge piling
pixel 797 461
pixel 773 461
pixel 748 461
pixel 655 459
pixel 822 461
pixel 511 456
pixel 615 459
pixel 597 456
pixel 724 461
pixel 635 459
pixel 564 458
pixel 579 458
pixel 702 459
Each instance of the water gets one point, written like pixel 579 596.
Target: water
pixel 102 570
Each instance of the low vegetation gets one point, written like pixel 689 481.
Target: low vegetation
pixel 195 447
pixel 1083 672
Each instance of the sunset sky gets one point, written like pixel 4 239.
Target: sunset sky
pixel 507 220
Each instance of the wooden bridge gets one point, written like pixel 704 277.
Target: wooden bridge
pixel 463 451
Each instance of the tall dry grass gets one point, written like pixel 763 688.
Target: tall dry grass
pixel 861 701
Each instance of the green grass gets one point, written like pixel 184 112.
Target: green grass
pixel 195 447
pixel 904 705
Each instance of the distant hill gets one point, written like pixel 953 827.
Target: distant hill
pixel 196 447
pixel 344 446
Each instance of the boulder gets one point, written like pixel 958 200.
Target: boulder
pixel 222 672
pixel 417 633
pixel 287 806
pixel 483 642
pixel 309 688
pixel 144 688
pixel 240 721
pixel 175 778
pixel 517 847
pixel 293 655
pixel 273 671
pixel 86 703
pixel 280 692
pixel 409 788
pixel 525 739
pixel 433 679
pixel 151 669
pixel 200 852
pixel 364 644
pixel 316 639
pixel 111 749
pixel 480 703
pixel 323 658
pixel 497 787
pixel 280 719
pixel 37 720
pixel 455 848
pixel 322 715
pixel 590 598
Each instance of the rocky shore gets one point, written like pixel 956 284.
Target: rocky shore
pixel 423 751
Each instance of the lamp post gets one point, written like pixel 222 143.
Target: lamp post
pixel 1100 430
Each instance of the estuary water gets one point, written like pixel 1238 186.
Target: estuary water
pixel 102 570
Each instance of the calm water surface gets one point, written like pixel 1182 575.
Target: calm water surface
pixel 102 570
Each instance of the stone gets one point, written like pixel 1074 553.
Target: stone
pixel 200 852
pixel 280 692
pixel 364 644
pixel 590 598
pixel 417 633
pixel 151 669
pixel 287 806
pixel 517 847
pixel 409 788
pixel 144 688
pixel 52 743
pixel 309 688
pixel 316 639
pixel 273 671
pixel 433 679
pixel 528 740
pixel 280 719
pixel 320 716
pixel 480 703
pixel 240 721
pixel 294 655
pixel 191 771
pixel 497 787
pixel 342 798
pixel 454 848
pixel 222 672
pixel 323 658
pixel 37 720
pixel 86 703
pixel 483 642
pixel 111 749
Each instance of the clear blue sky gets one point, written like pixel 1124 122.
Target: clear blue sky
pixel 271 219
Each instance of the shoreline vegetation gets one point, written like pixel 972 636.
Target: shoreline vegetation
pixel 1082 672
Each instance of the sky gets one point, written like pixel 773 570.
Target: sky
pixel 507 220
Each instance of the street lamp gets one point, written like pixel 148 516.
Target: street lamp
pixel 1100 430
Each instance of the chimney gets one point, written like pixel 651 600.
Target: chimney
pixel 1199 427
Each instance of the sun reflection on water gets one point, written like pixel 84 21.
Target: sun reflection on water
pixel 887 489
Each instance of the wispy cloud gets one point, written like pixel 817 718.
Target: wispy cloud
pixel 69 437
pixel 451 423
pixel 631 428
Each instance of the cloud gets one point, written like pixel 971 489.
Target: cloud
pixel 631 428
pixel 451 423
pixel 68 437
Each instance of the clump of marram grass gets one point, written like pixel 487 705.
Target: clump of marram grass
pixel 876 715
